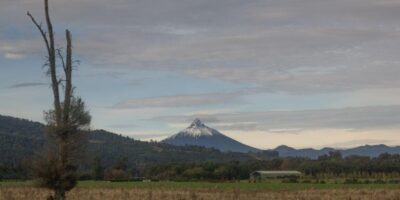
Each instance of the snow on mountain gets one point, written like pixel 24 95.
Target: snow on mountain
pixel 197 129
pixel 201 135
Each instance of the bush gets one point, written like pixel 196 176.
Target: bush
pixel 290 180
pixel 395 181
pixel 116 175
pixel 351 181
pixel 85 176
pixel 379 181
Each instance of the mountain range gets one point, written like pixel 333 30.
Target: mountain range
pixel 20 138
pixel 201 135
pixel 366 150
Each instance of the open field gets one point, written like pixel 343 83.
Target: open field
pixel 96 190
pixel 19 193
pixel 243 185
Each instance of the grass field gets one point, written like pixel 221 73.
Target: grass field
pixel 243 185
pixel 97 190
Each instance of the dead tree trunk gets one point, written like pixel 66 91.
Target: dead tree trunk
pixel 68 78
pixel 57 166
pixel 59 195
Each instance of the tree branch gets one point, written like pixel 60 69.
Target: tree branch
pixel 59 53
pixel 42 32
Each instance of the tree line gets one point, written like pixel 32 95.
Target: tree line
pixel 332 165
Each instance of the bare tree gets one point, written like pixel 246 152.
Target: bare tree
pixel 55 167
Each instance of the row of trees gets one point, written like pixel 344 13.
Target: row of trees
pixel 326 166
pixel 332 165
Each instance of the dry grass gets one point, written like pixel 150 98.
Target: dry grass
pixel 31 193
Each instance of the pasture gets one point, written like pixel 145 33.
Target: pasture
pixel 97 190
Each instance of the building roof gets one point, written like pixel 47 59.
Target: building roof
pixel 277 172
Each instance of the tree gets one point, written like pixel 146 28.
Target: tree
pixel 121 164
pixel 55 167
pixel 98 169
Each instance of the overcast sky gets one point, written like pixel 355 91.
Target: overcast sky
pixel 305 73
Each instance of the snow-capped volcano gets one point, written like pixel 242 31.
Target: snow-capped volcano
pixel 201 135
pixel 197 129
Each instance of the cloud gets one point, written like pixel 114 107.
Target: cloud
pixel 176 101
pixel 354 118
pixel 14 56
pixel 240 126
pixel 362 142
pixel 123 126
pixel 30 84
pixel 18 49
pixel 146 137
pixel 295 46
pixel 290 47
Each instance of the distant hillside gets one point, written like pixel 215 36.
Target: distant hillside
pixel 285 151
pixel 20 138
pixel 367 150
pixel 201 135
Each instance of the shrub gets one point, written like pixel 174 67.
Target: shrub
pixel 351 181
pixel 379 181
pixel 116 175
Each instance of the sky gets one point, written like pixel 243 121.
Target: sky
pixel 304 73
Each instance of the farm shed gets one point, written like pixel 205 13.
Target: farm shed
pixel 264 175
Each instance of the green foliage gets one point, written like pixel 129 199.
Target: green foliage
pixel 51 174
pixel 326 167
pixel 98 169
pixel 116 175
pixel 79 116
pixel 121 164
pixel 55 166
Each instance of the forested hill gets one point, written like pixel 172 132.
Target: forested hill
pixel 20 138
pixel 366 150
